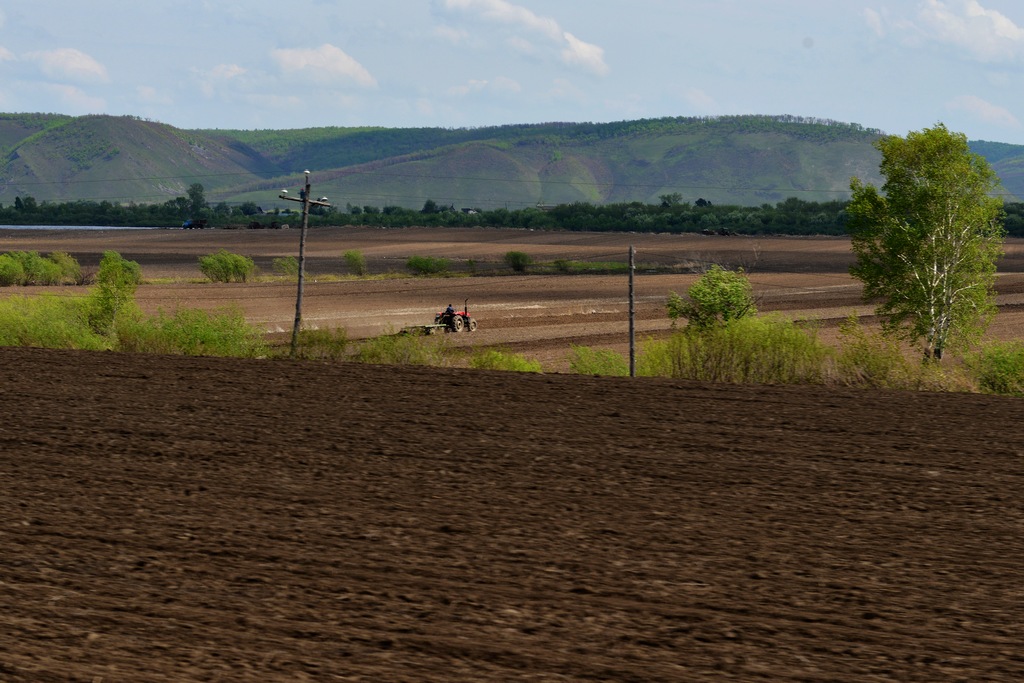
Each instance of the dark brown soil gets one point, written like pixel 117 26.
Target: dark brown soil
pixel 177 519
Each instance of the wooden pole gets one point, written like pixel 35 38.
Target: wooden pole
pixel 302 269
pixel 632 313
pixel 306 202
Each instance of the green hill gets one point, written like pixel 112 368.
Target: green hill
pixel 749 160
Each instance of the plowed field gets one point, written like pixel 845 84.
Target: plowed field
pixel 184 519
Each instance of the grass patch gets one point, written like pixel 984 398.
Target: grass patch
pixel 494 359
pixel 584 360
pixel 404 349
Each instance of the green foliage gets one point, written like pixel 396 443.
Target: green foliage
pixel 356 262
pixel 48 321
pixel 403 349
pixel 518 261
pixel 427 265
pixel 493 359
pixel 116 282
pixel 287 266
pixel 744 351
pixel 11 271
pixel 718 297
pixel 584 360
pixel 224 266
pixel 323 344
pixel 998 368
pixel 190 332
pixel 30 268
pixel 927 245
pixel 871 360
pixel 70 271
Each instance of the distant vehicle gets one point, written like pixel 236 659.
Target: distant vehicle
pixel 194 224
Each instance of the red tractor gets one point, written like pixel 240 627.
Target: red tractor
pixel 455 321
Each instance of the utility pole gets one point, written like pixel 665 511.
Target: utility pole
pixel 632 313
pixel 303 197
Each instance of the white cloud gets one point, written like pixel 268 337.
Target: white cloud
pixel 984 110
pixel 75 99
pixel 6 55
pixel 573 51
pixel 700 100
pixel 451 35
pixel 227 71
pixel 69 64
pixel 874 22
pixel 325 63
pixel 590 57
pixel 150 95
pixel 500 85
pixel 987 35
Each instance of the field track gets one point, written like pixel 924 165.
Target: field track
pixel 180 519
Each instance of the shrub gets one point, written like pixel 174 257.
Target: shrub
pixel 224 266
pixel 323 344
pixel 30 268
pixel 48 321
pixel 190 332
pixel 427 265
pixel 870 360
pixel 744 351
pixel 718 297
pixel 998 368
pixel 11 271
pixel 286 265
pixel 584 360
pixel 517 261
pixel 70 271
pixel 493 359
pixel 356 262
pixel 116 281
pixel 402 349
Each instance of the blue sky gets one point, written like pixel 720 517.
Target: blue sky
pixel 897 65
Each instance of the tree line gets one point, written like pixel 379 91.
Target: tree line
pixel 672 214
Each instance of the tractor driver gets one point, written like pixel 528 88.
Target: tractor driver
pixel 450 311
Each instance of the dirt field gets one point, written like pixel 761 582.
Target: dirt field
pixel 537 315
pixel 181 519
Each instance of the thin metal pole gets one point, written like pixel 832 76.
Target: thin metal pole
pixel 632 313
pixel 302 269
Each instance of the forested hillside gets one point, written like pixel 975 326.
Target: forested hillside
pixel 746 161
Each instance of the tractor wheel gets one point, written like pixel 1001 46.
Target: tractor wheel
pixel 471 325
pixel 457 323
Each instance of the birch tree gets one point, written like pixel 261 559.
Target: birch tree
pixel 927 245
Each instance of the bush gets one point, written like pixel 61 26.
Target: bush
pixel 190 332
pixel 356 262
pixel 718 297
pixel 492 359
pixel 323 344
pixel 287 266
pixel 517 261
pixel 116 282
pixel 30 268
pixel 998 368
pixel 744 351
pixel 870 360
pixel 70 271
pixel 48 321
pixel 224 266
pixel 11 271
pixel 427 265
pixel 403 349
pixel 584 360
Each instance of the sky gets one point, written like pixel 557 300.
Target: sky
pixel 895 65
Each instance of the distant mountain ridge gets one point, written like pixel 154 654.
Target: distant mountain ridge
pixel 747 160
